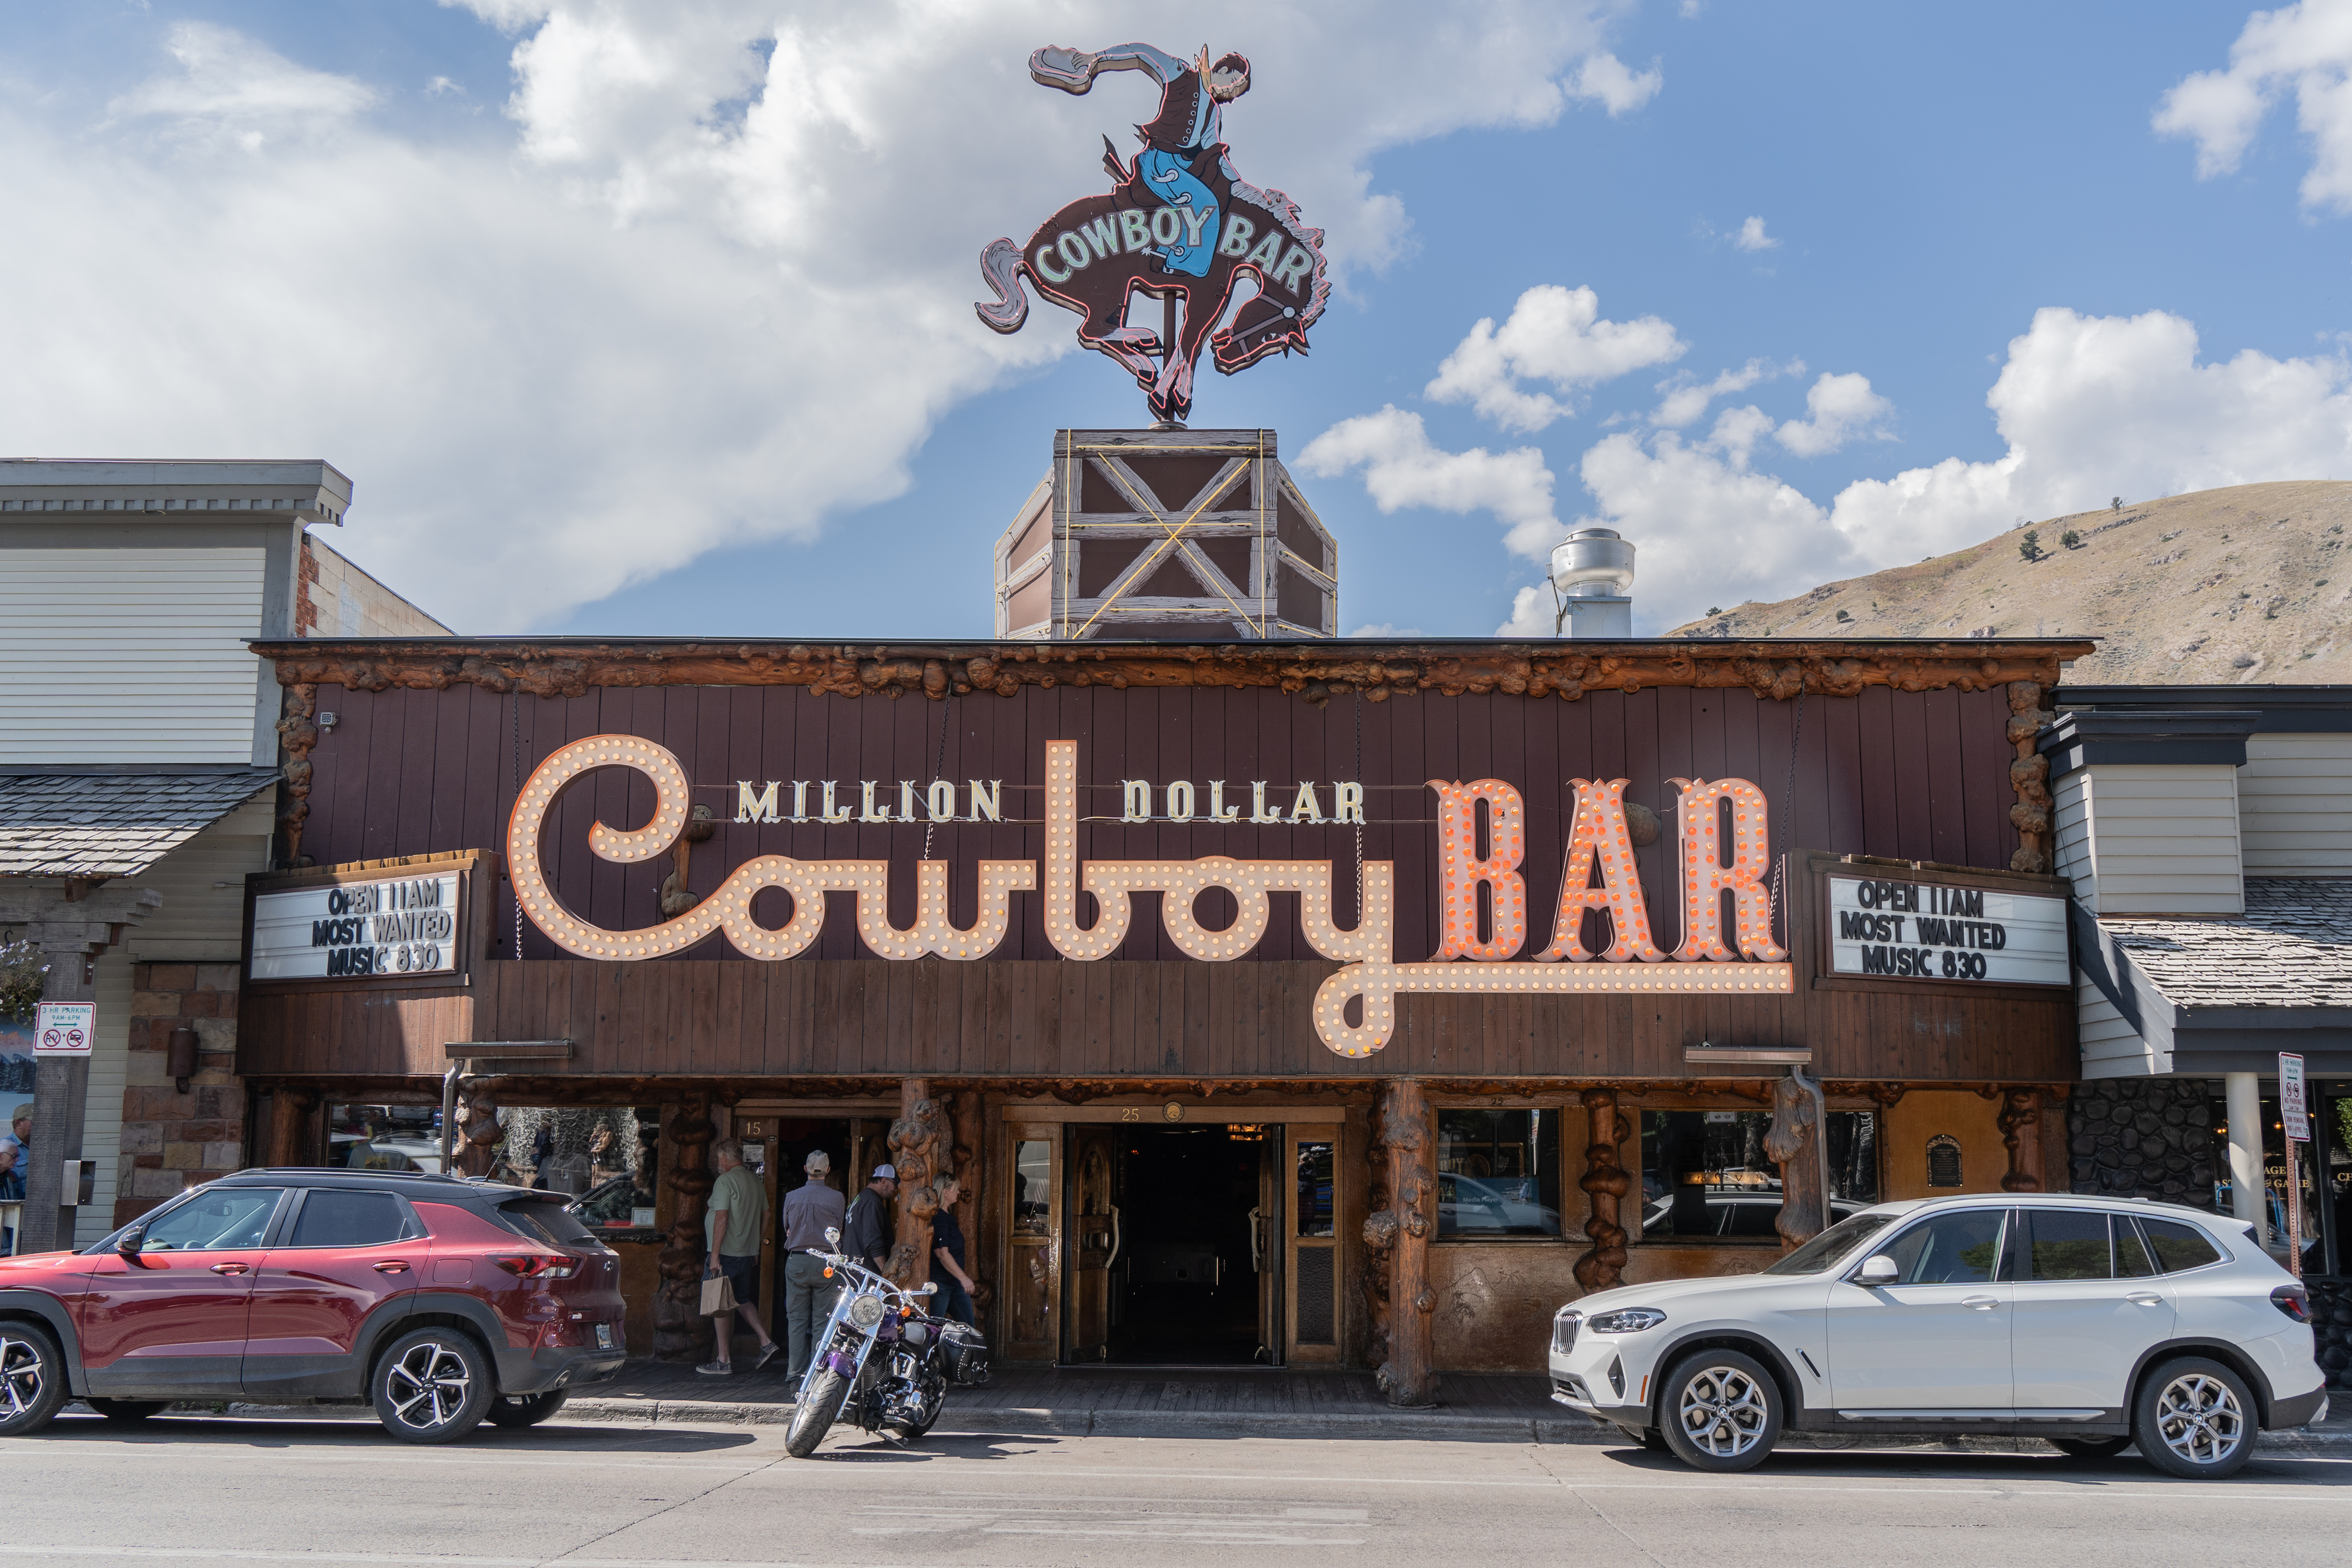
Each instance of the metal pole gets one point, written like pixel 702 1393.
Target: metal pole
pixel 449 1112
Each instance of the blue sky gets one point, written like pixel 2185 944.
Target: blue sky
pixel 598 364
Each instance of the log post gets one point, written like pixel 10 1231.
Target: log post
pixel 918 1140
pixel 1407 1376
pixel 965 1117
pixel 478 1119
pixel 1605 1183
pixel 2020 1122
pixel 1795 1143
pixel 680 1331
pixel 1380 1239
pixel 289 1132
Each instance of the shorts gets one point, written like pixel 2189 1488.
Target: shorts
pixel 744 1273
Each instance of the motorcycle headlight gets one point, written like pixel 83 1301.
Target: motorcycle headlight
pixel 1625 1320
pixel 866 1312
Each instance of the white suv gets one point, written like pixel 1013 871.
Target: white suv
pixel 2091 1322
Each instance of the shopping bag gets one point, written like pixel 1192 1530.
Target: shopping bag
pixel 717 1296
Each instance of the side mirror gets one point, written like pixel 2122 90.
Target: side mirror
pixel 832 1234
pixel 132 1240
pixel 1878 1270
pixel 931 1288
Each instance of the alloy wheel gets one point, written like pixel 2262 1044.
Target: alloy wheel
pixel 2199 1418
pixel 429 1385
pixel 23 1374
pixel 1722 1412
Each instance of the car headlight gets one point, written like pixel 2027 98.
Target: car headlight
pixel 866 1312
pixel 1625 1320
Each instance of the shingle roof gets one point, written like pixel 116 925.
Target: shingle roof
pixel 2292 948
pixel 110 823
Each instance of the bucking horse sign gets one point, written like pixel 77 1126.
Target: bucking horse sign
pixel 1180 225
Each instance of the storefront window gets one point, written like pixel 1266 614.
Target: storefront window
pixel 383 1137
pixel 2334 1134
pixel 1315 1211
pixel 2274 1180
pixel 605 1157
pixel 1497 1173
pixel 1704 1172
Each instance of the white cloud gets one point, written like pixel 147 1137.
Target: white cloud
pixel 1603 80
pixel 1751 237
pixel 1839 409
pixel 2094 406
pixel 226 81
pixel 2305 48
pixel 695 296
pixel 1403 468
pixel 1686 398
pixel 1534 614
pixel 1388 630
pixel 1554 335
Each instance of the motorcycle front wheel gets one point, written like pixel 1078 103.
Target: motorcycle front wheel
pixel 813 1416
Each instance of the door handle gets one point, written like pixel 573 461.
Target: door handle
pixel 229 1267
pixel 1981 1304
pixel 2145 1299
pixel 393 1266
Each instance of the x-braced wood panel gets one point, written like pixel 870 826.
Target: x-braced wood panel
pixel 1160 534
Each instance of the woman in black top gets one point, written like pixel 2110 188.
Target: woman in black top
pixel 954 1300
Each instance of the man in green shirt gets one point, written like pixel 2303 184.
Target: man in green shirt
pixel 733 1225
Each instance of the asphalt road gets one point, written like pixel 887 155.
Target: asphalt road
pixel 198 1490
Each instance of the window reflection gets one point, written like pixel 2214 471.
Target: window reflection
pixel 1705 1173
pixel 1497 1173
pixel 1033 1186
pixel 1315 1213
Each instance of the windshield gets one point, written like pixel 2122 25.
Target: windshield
pixel 1824 1251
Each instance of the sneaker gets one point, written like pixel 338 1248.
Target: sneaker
pixel 715 1369
pixel 767 1354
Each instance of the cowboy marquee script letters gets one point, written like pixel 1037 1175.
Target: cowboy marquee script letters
pixel 1723 861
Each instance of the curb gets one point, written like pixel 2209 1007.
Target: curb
pixel 1436 1425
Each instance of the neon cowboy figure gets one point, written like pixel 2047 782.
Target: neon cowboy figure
pixel 1191 100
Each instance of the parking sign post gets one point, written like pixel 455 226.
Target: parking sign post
pixel 2296 1123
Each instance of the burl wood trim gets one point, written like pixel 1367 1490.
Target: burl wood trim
pixel 2029 776
pixel 918 1139
pixel 681 1332
pixel 1605 1185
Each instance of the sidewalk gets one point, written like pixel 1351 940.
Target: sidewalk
pixel 1254 1402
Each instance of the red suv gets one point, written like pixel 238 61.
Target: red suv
pixel 440 1300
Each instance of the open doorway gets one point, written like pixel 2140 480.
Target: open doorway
pixel 1171 1231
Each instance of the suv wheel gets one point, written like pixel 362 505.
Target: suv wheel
pixel 32 1379
pixel 2090 1447
pixel 431 1387
pixel 1720 1410
pixel 525 1409
pixel 2195 1418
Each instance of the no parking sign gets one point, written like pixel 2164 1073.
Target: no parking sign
pixel 64 1029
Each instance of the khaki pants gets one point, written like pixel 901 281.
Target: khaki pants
pixel 808 1302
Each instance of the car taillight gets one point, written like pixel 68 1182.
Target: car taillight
pixel 2293 1302
pixel 536 1265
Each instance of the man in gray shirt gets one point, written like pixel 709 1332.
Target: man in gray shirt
pixel 808 1211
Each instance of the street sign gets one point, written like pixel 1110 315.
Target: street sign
pixel 64 1029
pixel 2291 1107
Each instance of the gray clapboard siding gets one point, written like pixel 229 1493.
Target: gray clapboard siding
pixel 2111 1047
pixel 2295 805
pixel 2151 839
pixel 203 884
pixel 111 655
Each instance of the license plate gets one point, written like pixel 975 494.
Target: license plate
pixel 603 1336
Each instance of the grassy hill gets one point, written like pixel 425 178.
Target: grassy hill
pixel 2246 584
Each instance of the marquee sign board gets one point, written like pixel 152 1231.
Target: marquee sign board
pixel 1179 224
pixel 1918 927
pixel 354 930
pixel 1722 862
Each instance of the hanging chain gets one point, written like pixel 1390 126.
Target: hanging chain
pixel 938 767
pixel 1788 818
pixel 1359 808
pixel 514 784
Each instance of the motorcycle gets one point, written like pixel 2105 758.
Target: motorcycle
pixel 880 1360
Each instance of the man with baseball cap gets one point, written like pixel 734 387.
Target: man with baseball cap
pixel 809 1210
pixel 868 1239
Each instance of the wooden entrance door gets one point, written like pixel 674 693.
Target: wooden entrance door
pixel 1033 1261
pixel 1094 1238
pixel 1311 1242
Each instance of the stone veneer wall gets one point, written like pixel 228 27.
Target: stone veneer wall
pixel 170 1140
pixel 2153 1137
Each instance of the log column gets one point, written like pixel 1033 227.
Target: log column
pixel 478 1119
pixel 1795 1144
pixel 290 1133
pixel 1407 1374
pixel 1605 1183
pixel 2020 1122
pixel 969 1132
pixel 680 1331
pixel 918 1140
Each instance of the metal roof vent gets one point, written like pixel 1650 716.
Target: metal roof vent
pixel 1591 573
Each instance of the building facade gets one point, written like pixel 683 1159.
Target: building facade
pixel 1318 1003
